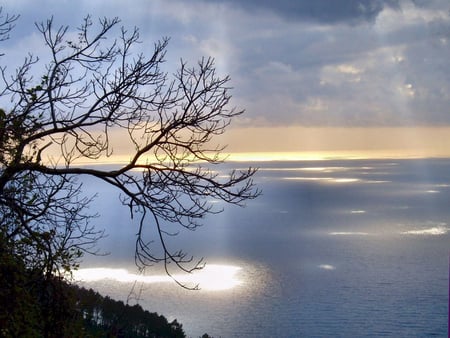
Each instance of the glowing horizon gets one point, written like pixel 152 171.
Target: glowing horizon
pixel 297 143
pixel 326 156
pixel 328 143
pixel 259 156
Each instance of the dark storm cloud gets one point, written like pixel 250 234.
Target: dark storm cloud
pixel 324 11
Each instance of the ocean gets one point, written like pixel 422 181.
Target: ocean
pixel 332 248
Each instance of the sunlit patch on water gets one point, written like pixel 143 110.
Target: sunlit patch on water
pixel 339 180
pixel 433 231
pixel 345 180
pixel 302 178
pixel 325 169
pixel 348 233
pixel 324 179
pixel 211 277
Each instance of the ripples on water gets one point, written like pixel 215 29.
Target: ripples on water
pixel 332 248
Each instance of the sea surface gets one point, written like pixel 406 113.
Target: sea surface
pixel 334 248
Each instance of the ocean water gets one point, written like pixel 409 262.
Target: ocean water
pixel 343 248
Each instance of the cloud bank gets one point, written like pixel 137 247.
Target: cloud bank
pixel 352 63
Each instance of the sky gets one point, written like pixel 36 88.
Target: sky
pixel 352 78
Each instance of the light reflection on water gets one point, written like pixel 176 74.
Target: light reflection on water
pixel 212 277
pixel 334 179
pixel 357 211
pixel 349 233
pixel 434 231
pixel 317 259
pixel 427 229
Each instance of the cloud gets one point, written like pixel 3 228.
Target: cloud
pixel 323 11
pixel 310 63
pixel 389 73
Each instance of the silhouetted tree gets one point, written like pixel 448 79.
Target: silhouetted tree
pixel 205 335
pixel 55 122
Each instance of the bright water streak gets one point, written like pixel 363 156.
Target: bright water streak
pixel 211 277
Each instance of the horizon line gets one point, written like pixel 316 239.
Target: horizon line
pixel 288 156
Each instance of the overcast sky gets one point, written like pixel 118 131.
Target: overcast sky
pixel 294 63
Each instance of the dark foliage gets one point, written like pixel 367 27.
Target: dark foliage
pixel 35 305
pixel 103 316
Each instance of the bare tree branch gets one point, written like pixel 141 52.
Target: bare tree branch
pixel 6 25
pixel 94 85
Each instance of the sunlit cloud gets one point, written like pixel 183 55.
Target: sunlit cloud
pixel 212 277
pixel 297 72
pixel 357 211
